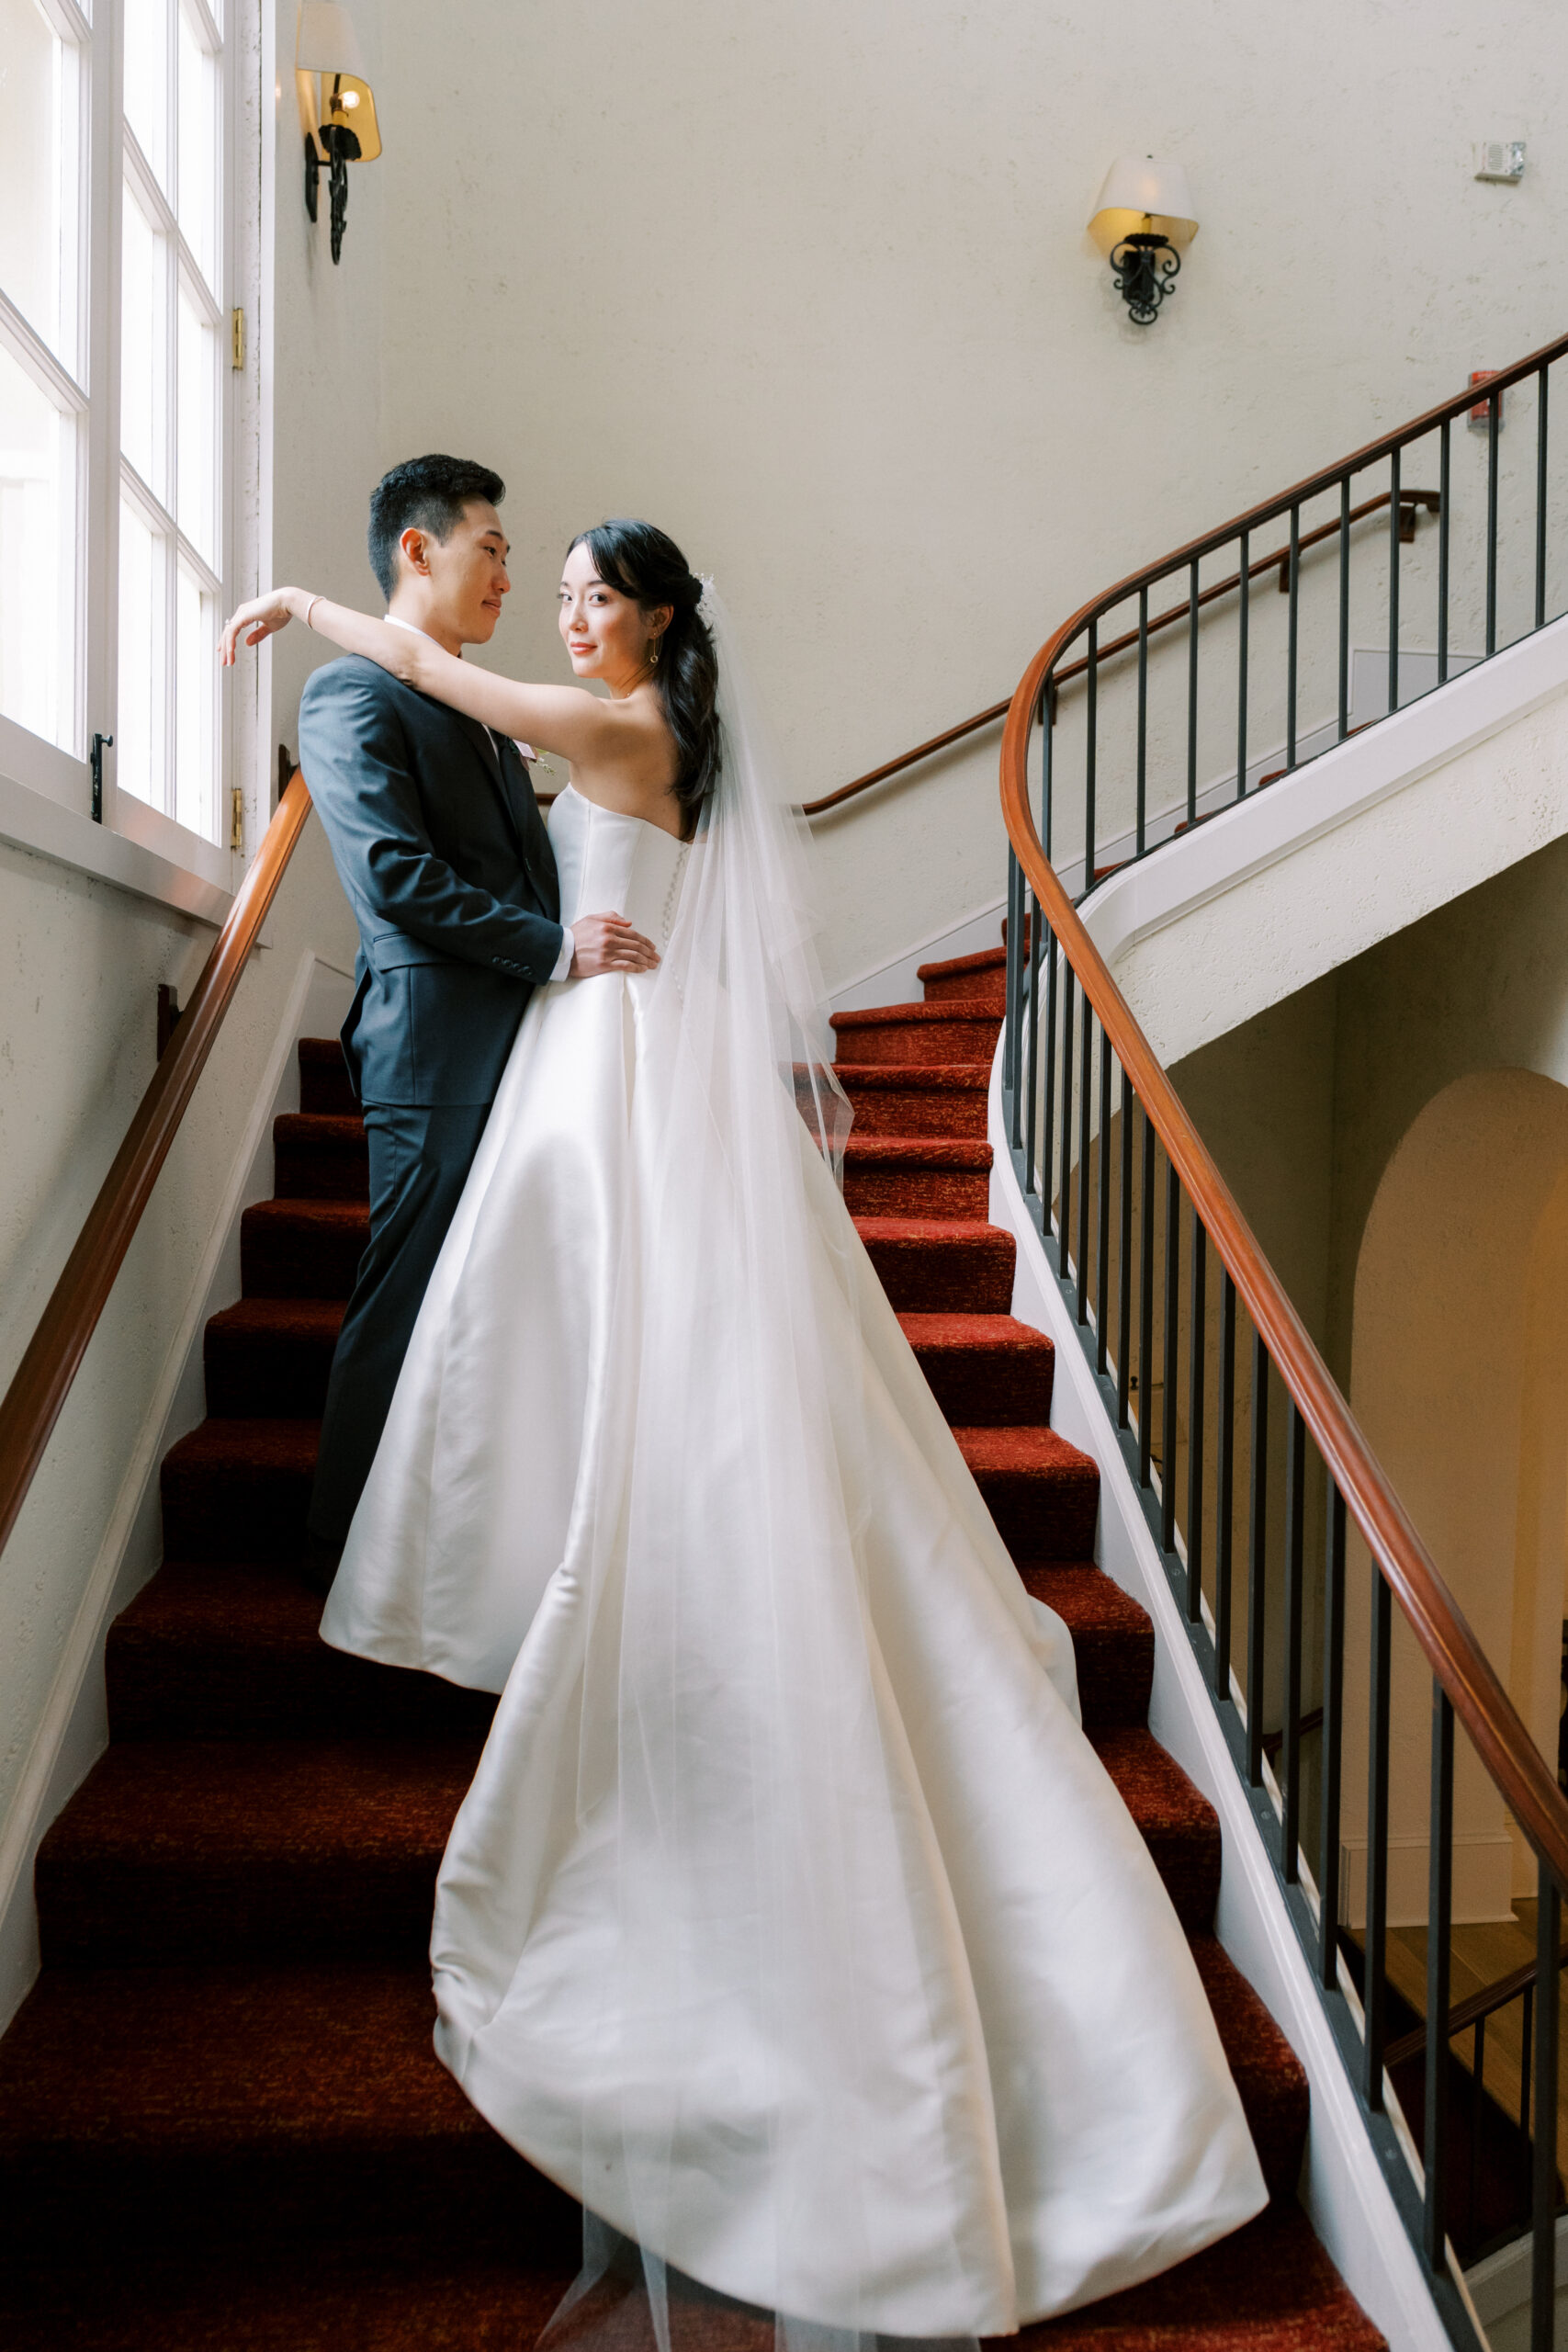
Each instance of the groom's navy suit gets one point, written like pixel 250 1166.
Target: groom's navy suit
pixel 439 843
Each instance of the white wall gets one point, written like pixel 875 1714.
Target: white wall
pixel 810 287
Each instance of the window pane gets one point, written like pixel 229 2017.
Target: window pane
pixel 140 762
pixel 198 151
pixel 143 347
pixel 38 173
pixel 147 81
pixel 196 435
pixel 195 764
pixel 38 536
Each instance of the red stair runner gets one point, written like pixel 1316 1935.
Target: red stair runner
pixel 221 2124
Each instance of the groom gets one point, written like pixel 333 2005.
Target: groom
pixel 443 853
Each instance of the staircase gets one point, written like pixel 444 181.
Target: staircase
pixel 221 2123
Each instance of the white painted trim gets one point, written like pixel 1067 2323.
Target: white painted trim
pixel 72 1732
pixel 42 825
pixel 897 982
pixel 1344 784
pixel 1500 2291
pixel 1342 2189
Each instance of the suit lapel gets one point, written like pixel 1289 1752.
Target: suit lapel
pixel 508 779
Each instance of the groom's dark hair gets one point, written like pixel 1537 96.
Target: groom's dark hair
pixel 423 494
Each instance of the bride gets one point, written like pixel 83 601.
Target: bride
pixel 791 1923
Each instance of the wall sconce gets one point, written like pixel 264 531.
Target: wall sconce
pixel 336 108
pixel 1142 213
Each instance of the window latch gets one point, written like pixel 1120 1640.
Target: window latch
pixel 100 743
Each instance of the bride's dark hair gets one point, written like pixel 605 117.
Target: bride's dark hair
pixel 640 561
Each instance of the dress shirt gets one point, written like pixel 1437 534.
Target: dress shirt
pixel 568 945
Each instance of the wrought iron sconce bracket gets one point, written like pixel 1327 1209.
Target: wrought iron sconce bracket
pixel 1146 266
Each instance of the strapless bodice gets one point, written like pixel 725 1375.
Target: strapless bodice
pixel 614 864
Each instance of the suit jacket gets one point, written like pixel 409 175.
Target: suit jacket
pixel 440 846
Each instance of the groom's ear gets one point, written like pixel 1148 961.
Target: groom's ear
pixel 414 545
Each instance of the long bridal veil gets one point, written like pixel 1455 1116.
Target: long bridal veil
pixel 723 1823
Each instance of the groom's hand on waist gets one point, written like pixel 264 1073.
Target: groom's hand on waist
pixel 608 944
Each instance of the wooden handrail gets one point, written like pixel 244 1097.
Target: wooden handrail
pixel 1278 561
pixel 1483 1708
pixel 33 1402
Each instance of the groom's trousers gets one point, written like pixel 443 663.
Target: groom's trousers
pixel 420 1158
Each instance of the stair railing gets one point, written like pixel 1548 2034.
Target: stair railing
pixel 1183 1321
pixel 33 1403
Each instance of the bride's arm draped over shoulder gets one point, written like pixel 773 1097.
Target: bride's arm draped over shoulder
pixel 567 720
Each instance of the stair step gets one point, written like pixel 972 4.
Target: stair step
pixel 324 1079
pixel 239 1490
pixel 924 1034
pixel 1268 2288
pixel 318 1157
pixel 1113 1641
pixel 302 1249
pixel 984 1367
pixel 917 1099
pixel 247 1850
pixel 1269 2077
pixel 980 978
pixel 270 1357
pixel 917 1175
pixel 1042 1493
pixel 1175 1820
pixel 940 1265
pixel 298 2104
pixel 232 1651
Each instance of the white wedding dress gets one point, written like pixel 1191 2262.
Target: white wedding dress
pixel 791 1922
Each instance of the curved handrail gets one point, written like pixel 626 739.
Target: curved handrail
pixel 1479 1700
pixel 34 1400
pixel 1278 559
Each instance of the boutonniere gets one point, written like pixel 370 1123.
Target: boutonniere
pixel 531 759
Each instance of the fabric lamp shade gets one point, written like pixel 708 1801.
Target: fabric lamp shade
pixel 1141 194
pixel 328 42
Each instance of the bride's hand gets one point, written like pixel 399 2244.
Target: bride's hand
pixel 262 616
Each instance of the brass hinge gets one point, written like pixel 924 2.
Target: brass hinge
pixel 236 819
pixel 237 338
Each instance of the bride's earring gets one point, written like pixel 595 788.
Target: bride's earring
pixel 653 654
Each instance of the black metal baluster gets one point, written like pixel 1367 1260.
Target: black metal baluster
pixel 1543 2250
pixel 1197 1364
pixel 1124 1266
pixel 1443 554
pixel 1524 2061
pixel 1102 1231
pixel 1064 1170
pixel 1477 2089
pixel 1092 724
pixel 1032 1103
pixel 1344 608
pixel 1047 761
pixel 1014 992
pixel 1333 1736
pixel 1256 1562
pixel 1224 1489
pixel 1142 816
pixel 1192 693
pixel 1244 585
pixel 1172 1335
pixel 1540 500
pixel 1494 420
pixel 1374 2001
pixel 1394 582
pixel 1295 563
pixel 1439 1916
pixel 1290 1753
pixel 1145 1297
pixel 1085 1051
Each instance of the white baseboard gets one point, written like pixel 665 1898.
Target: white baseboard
pixel 72 1732
pixel 896 983
pixel 1482 1878
pixel 1342 2186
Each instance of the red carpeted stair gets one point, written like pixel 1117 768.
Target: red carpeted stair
pixel 221 2124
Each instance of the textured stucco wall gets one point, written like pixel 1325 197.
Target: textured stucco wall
pixel 811 286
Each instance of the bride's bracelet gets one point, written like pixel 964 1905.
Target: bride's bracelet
pixel 311 608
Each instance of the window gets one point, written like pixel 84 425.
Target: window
pixel 115 409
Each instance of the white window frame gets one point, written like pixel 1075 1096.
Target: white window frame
pixel 45 789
